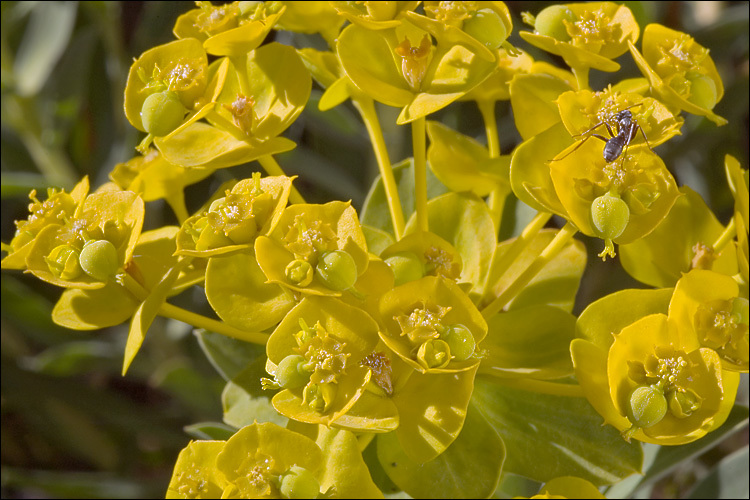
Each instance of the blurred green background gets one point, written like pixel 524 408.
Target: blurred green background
pixel 71 425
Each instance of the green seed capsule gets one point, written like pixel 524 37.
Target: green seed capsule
pixel 609 216
pixel 99 259
pixel 406 267
pixel 460 340
pixel 647 406
pixel 487 26
pixel 289 373
pixel 337 270
pixel 299 482
pixel 162 112
pixel 549 22
pixel 703 91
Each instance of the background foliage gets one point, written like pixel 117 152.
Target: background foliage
pixel 71 426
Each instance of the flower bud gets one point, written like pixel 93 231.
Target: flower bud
pixel 63 262
pixel 299 482
pixel 549 22
pixel 290 374
pixel 683 404
pixel 434 353
pixel 299 272
pixel 337 270
pixel 162 112
pixel 406 267
pixel 487 26
pixel 610 216
pixel 647 406
pixel 460 340
pixel 99 259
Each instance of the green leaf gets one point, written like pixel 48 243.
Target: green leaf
pixel 530 176
pixel 462 164
pixel 94 309
pixel 728 479
pixel 548 436
pixel 237 290
pixel 344 467
pixel 43 43
pixel 375 210
pixel 469 468
pixel 377 239
pixel 530 342
pixel 244 401
pixel 533 99
pixel 214 431
pixel 612 313
pixel 147 312
pixel 556 284
pixel 464 221
pixel 228 356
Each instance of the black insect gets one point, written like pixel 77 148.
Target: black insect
pixel 627 128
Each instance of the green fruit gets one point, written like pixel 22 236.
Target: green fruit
pixel 299 483
pixel 406 267
pixel 487 26
pixel 647 406
pixel 290 374
pixel 549 22
pixel 461 341
pixel 337 270
pixel 609 216
pixel 161 113
pixel 703 92
pixel 99 259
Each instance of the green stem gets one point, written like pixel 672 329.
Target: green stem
pixel 552 249
pixel 169 311
pixel 240 64
pixel 501 266
pixel 271 167
pixel 177 203
pixel 366 108
pixel 725 237
pixel 542 386
pixel 420 172
pixel 497 197
pixel 487 108
pixel 197 320
pixel 582 77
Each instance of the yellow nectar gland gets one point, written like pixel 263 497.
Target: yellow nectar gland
pixel 414 61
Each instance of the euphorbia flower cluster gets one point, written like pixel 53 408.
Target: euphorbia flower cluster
pixel 411 323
